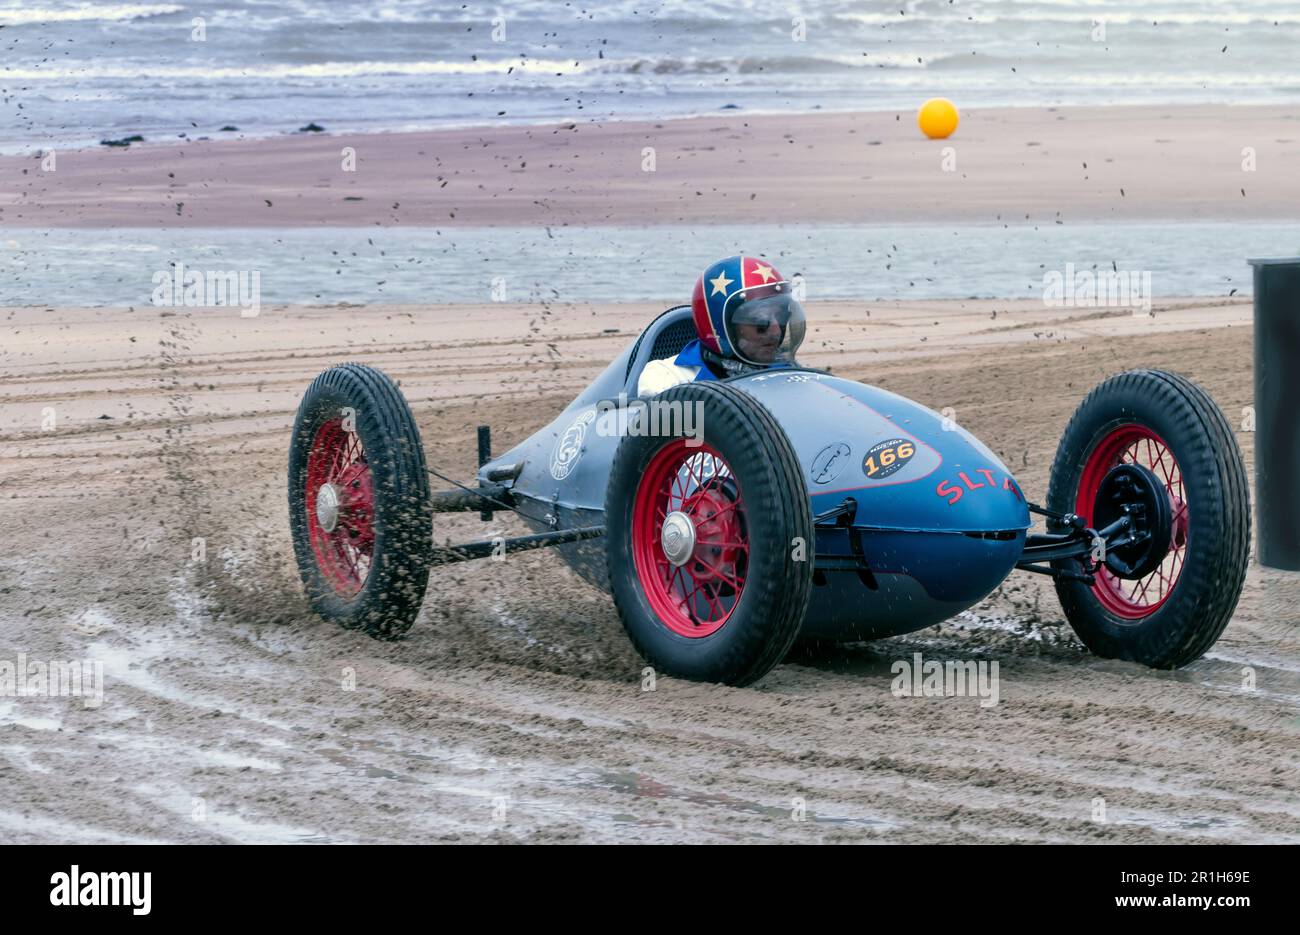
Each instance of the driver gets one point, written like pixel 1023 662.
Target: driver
pixel 746 320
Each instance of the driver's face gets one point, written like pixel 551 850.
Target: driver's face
pixel 759 342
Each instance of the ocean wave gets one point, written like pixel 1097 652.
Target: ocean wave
pixel 565 67
pixel 1285 82
pixel 827 75
pixel 1085 16
pixel 147 70
pixel 27 15
pixel 777 64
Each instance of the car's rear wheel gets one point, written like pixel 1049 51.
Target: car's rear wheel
pixel 709 540
pixel 1171 614
pixel 359 505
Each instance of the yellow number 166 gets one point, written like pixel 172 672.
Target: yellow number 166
pixel 888 456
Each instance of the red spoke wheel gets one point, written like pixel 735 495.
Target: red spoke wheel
pixel 1135 598
pixel 359 505
pixel 689 538
pixel 1173 613
pixel 702 539
pixel 340 506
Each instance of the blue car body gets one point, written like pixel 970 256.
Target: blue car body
pixel 939 519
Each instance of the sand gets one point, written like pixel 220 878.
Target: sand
pixel 513 710
pixel 1006 165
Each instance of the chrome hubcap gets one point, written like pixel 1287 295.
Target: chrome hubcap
pixel 678 537
pixel 327 507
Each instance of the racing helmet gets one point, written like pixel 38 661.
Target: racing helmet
pixel 744 308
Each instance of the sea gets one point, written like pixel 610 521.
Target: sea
pixel 73 73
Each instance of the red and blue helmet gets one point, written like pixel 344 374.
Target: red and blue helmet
pixel 745 309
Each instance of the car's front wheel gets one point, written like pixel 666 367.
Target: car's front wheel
pixel 1170 615
pixel 709 538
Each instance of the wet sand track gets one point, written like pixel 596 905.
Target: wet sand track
pixel 514 709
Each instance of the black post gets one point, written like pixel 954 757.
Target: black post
pixel 1277 410
pixel 484 456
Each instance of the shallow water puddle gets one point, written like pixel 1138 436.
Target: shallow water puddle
pixel 9 714
pixel 642 786
pixel 47 830
pixel 1222 672
pixel 231 824
pixel 1216 825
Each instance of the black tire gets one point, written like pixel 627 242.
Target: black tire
pixel 766 617
pixel 1215 536
pixel 390 595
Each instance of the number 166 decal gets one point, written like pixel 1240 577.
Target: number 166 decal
pixel 888 457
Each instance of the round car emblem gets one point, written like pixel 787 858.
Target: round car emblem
pixel 830 461
pixel 327 507
pixel 678 537
pixel 568 447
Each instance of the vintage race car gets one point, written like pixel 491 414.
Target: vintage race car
pixel 729 519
